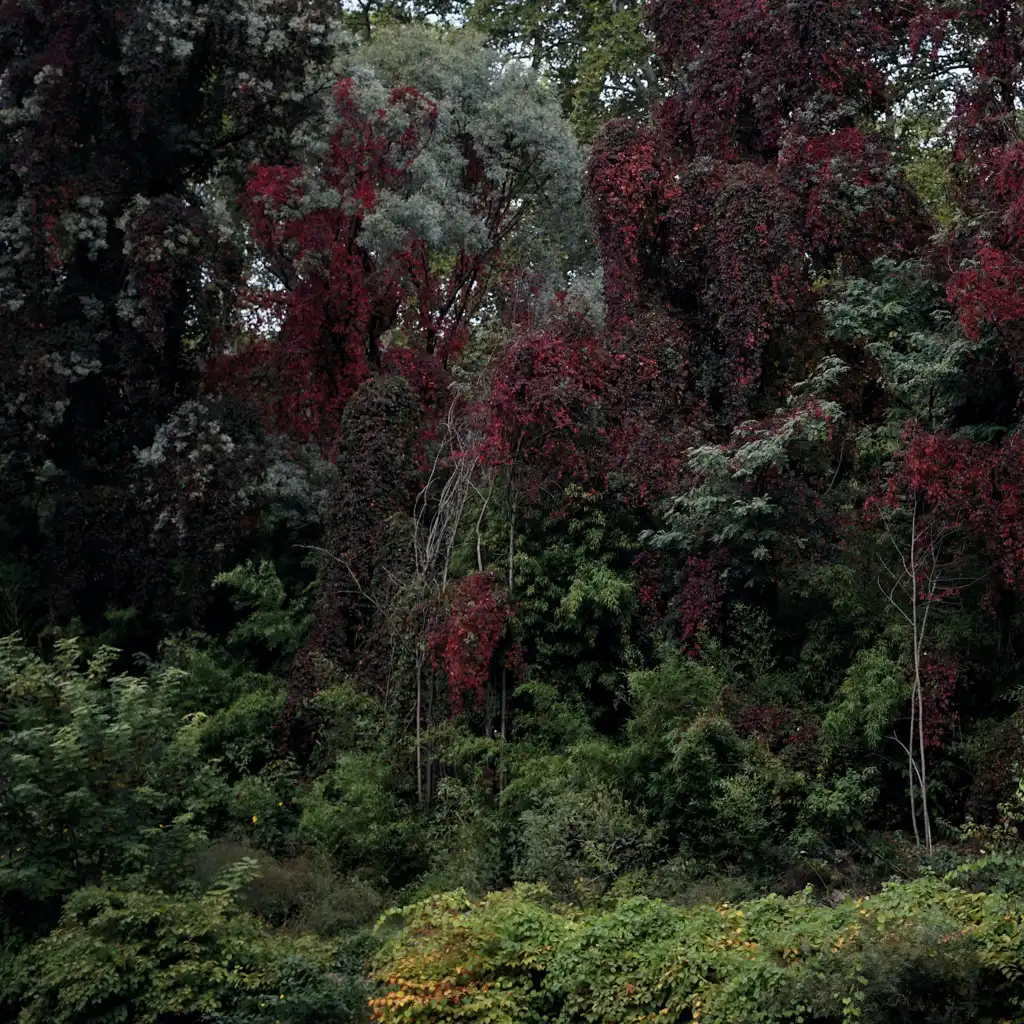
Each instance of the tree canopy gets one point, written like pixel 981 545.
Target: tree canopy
pixel 511 511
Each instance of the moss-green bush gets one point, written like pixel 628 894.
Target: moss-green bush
pixel 920 951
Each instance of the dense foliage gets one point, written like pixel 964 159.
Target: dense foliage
pixel 554 468
pixel 919 951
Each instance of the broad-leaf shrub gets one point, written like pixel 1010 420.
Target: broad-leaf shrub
pixel 353 812
pixel 98 772
pixel 918 951
pixel 579 842
pixel 152 957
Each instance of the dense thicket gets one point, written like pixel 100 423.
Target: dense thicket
pixel 455 446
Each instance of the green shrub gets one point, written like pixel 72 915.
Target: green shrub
pixel 920 952
pixel 580 842
pixel 101 775
pixel 353 813
pixel 152 957
pixel 303 893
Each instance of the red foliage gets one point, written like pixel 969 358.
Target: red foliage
pixel 700 598
pixel 775 726
pixel 338 299
pixel 463 644
pixel 753 178
pixel 988 287
pixel 545 417
pixel 649 572
pixel 990 292
pixel 939 681
pixel 346 310
pixel 974 489
pixel 625 187
pixel 750 64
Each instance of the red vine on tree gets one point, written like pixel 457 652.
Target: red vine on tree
pixel 464 642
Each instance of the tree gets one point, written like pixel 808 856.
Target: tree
pixel 118 261
pixel 759 499
pixel 595 52
pixel 96 783
pixel 925 574
pixel 755 179
pixel 442 164
pixel 950 513
pixel 433 208
pixel 987 286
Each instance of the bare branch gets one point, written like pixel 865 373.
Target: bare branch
pixel 348 568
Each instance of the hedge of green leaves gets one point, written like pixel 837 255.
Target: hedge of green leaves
pixel 920 951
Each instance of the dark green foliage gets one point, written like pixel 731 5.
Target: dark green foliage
pixel 919 951
pixel 126 129
pixel 100 776
pixel 363 544
pixel 581 842
pixel 151 956
pixel 595 52
pixel 353 814
pixel 576 592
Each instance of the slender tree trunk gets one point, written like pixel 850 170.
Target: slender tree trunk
pixel 504 727
pixel 504 668
pixel 919 623
pixel 428 757
pixel 924 777
pixel 490 702
pixel 511 545
pixel 917 671
pixel 419 727
pixel 912 768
